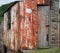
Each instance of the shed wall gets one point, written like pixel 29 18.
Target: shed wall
pixel 11 34
pixel 24 25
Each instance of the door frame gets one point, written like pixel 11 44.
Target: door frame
pixel 46 25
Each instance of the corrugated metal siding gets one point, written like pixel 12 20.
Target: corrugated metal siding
pixel 28 27
pixel 24 25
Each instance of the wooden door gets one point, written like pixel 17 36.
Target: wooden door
pixel 43 22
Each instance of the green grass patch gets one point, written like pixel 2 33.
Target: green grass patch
pixel 50 50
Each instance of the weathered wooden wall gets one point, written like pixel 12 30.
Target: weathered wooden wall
pixel 10 35
pixel 24 25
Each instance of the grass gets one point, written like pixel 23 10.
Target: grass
pixel 50 50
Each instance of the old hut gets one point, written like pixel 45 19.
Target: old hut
pixel 26 24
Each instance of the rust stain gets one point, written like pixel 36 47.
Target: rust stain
pixel 28 31
pixel 18 27
pixel 25 34
pixel 40 1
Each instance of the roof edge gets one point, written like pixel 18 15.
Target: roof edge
pixel 13 3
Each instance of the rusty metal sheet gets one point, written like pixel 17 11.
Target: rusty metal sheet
pixel 27 31
pixel 43 2
pixel 40 1
pixel 24 25
pixel 17 33
pixel 21 22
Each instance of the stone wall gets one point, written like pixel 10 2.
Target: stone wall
pixel 54 36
